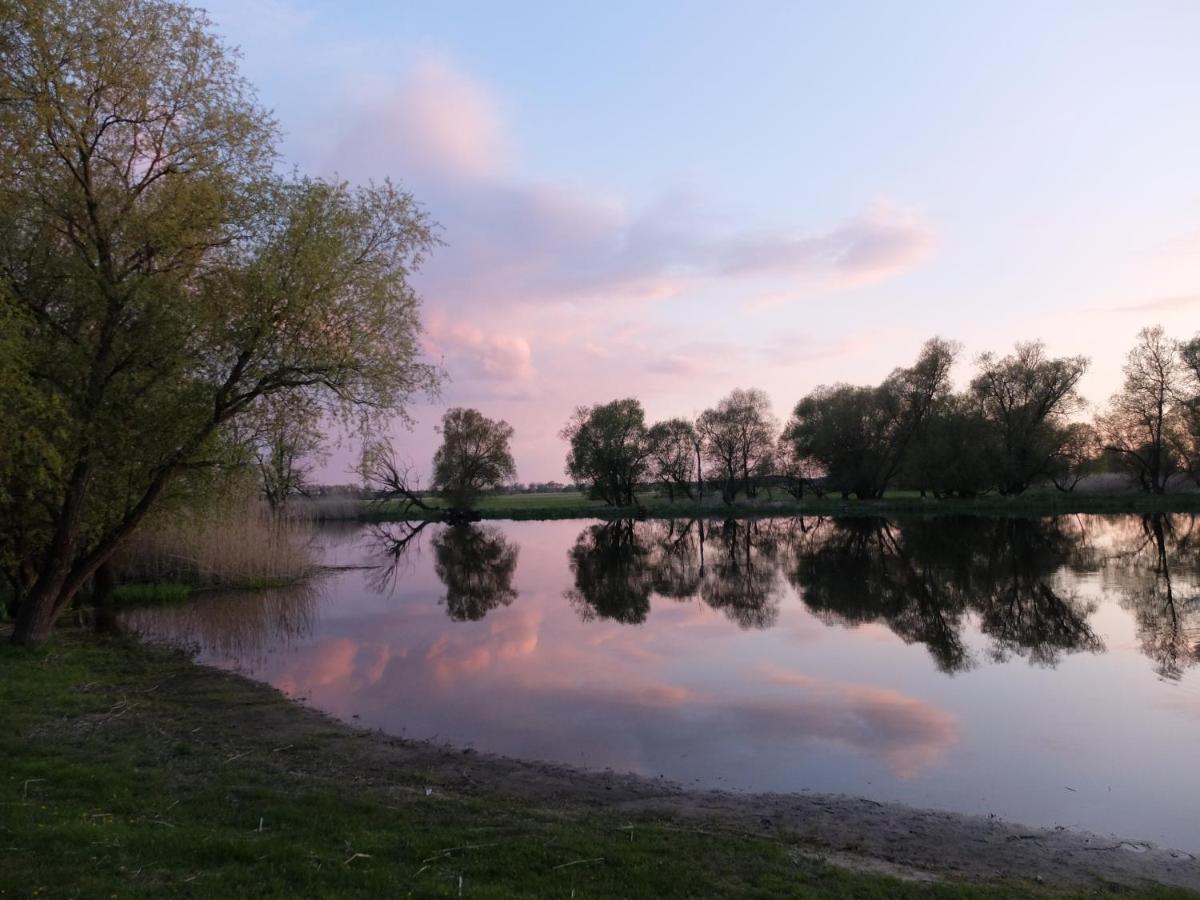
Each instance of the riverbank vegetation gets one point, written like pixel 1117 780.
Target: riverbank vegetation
pixel 134 772
pixel 1014 429
pixel 166 288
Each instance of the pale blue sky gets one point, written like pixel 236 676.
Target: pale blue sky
pixel 674 199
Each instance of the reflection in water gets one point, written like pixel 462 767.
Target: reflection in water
pixel 476 564
pixel 1149 552
pixel 921 577
pixel 742 579
pixel 614 572
pixel 239 625
pixel 392 548
pixel 764 654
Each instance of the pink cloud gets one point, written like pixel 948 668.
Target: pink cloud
pixel 437 123
pixel 879 242
pixel 468 350
pixel 1158 304
pixel 534 267
pixel 515 241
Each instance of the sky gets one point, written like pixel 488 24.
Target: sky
pixel 672 200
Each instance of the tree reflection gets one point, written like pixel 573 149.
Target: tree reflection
pixel 922 577
pixel 392 546
pixel 613 574
pixel 742 578
pixel 476 564
pixel 732 567
pixel 1149 552
pixel 859 570
pixel 678 557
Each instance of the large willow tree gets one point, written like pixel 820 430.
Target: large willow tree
pixel 160 281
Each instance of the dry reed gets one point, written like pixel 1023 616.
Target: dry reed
pixel 234 546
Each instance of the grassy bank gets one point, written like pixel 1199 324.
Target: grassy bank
pixel 131 772
pixel 575 506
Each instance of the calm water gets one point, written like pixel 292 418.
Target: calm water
pixel 1045 671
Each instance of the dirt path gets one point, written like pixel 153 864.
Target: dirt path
pixel 852 832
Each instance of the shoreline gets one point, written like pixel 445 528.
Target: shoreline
pixel 248 731
pixel 1037 506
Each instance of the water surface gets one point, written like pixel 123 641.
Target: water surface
pixel 1041 670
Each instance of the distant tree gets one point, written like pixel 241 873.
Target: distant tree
pixel 795 473
pixel 861 436
pixel 474 457
pixel 609 450
pixel 671 445
pixel 1190 356
pixel 1080 454
pixel 1145 424
pixel 739 437
pixel 167 277
pixel 286 443
pixel 950 457
pixel 1025 398
pixel 392 479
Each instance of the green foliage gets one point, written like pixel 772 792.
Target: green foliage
pixel 609 449
pixel 1025 398
pixel 952 457
pixel 150 594
pixel 673 446
pixel 474 457
pixel 860 436
pixel 161 285
pixel 739 441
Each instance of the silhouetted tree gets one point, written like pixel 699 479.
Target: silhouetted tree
pixel 1025 397
pixel 860 436
pixel 1079 455
pixel 739 438
pixel 1144 427
pixel 474 457
pixel 794 472
pixel 609 450
pixel 1189 353
pixel 950 457
pixel 286 443
pixel 670 447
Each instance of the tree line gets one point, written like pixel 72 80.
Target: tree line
pixel 1014 426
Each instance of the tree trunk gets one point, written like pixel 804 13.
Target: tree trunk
pixel 38 610
pixel 103 583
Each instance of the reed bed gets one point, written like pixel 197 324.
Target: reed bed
pixel 239 546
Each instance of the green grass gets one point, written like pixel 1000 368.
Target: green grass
pixel 131 772
pixel 150 594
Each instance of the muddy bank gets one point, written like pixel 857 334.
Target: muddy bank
pixel 252 720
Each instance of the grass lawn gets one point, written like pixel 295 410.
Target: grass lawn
pixel 130 772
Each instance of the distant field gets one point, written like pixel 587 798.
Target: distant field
pixel 559 500
pixel 574 504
